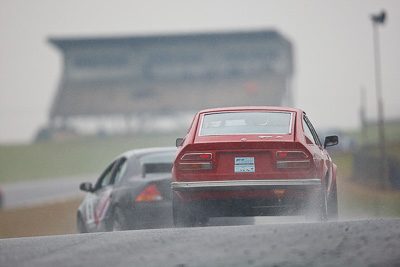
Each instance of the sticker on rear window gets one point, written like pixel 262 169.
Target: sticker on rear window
pixel 245 164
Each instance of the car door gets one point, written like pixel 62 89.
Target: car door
pixel 97 204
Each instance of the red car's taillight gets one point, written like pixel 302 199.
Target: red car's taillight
pixel 195 165
pixel 291 155
pixel 304 164
pixel 149 194
pixel 292 160
pixel 197 156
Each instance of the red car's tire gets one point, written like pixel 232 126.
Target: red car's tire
pixel 181 214
pixel 185 215
pixel 318 207
pixel 333 204
pixel 323 215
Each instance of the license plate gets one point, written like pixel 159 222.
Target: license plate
pixel 245 164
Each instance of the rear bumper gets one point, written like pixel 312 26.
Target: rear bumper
pixel 308 183
pixel 239 207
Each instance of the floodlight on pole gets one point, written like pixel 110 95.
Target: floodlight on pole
pixel 376 21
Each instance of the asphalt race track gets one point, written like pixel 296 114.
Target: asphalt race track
pixel 350 243
pixel 43 191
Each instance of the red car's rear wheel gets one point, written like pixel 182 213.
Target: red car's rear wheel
pixel 333 204
pixel 184 215
pixel 317 209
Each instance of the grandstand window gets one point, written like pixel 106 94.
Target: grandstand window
pixel 101 62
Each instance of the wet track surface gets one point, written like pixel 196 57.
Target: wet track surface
pixel 351 243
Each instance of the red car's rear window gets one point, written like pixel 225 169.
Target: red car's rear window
pixel 246 122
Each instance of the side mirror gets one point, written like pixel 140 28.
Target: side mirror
pixel 87 187
pixel 178 141
pixel 331 140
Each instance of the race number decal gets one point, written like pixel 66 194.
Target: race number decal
pixel 102 207
pixel 90 210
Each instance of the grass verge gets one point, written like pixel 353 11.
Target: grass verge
pixel 46 219
pixel 59 159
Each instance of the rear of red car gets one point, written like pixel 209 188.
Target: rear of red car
pixel 243 162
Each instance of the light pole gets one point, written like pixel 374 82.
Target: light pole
pixel 376 21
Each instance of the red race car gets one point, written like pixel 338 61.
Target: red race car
pixel 253 161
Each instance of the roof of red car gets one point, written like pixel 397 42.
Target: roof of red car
pixel 248 108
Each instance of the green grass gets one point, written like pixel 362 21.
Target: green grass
pixel 81 156
pixel 370 135
pixel 344 161
pixel 359 201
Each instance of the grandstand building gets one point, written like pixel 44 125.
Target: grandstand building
pixel 123 85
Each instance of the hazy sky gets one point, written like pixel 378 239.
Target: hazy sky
pixel 332 41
